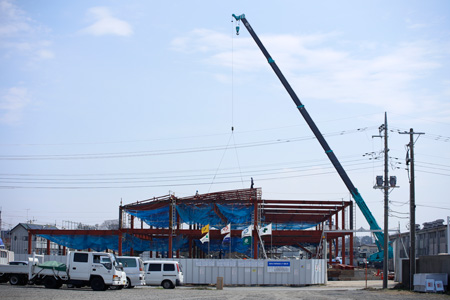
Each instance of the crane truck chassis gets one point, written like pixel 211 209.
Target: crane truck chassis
pixel 98 270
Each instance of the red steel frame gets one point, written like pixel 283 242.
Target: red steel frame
pixel 274 211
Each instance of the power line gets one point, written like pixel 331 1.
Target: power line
pixel 429 206
pixel 168 151
pixel 173 184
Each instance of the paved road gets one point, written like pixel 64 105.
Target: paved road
pixel 332 291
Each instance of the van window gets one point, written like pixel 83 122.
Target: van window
pixel 80 257
pixel 169 267
pixel 128 262
pixel 154 267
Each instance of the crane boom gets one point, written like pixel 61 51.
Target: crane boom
pixel 337 165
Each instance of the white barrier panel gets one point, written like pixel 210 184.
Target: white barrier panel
pixel 242 271
pixel 254 272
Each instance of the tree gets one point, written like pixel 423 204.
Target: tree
pixel 110 225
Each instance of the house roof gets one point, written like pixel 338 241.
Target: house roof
pixel 34 226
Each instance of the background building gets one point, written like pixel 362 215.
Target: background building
pixel 430 240
pixel 19 239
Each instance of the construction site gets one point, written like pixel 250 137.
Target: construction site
pixel 171 226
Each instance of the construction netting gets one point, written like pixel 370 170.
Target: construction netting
pixel 158 218
pixel 236 207
pixel 240 215
pixel 110 242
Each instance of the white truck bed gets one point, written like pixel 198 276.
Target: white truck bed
pixel 14 269
pixel 30 270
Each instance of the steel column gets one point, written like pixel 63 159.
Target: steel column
pixel 343 238
pixel 255 227
pixel 119 235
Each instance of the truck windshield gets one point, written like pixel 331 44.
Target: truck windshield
pixel 106 261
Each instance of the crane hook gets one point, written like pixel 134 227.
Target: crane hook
pixel 237 26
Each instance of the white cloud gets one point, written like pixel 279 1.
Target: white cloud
pixel 202 40
pixel 414 25
pixel 106 24
pixel 12 104
pixel 12 19
pixel 385 76
pixel 19 34
pixel 45 54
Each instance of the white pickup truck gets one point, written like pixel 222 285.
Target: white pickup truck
pixel 98 270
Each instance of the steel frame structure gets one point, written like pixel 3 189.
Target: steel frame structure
pixel 326 214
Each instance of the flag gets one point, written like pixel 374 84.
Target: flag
pixel 226 239
pixel 247 231
pixel 205 229
pixel 226 229
pixel 247 240
pixel 205 238
pixel 266 230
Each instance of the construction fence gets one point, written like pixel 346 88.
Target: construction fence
pixel 297 272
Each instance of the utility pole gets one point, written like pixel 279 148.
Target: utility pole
pixel 1 229
pixel 448 235
pixel 412 206
pixel 386 206
pixel 384 184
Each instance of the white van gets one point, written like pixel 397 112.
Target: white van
pixel 165 273
pixel 134 268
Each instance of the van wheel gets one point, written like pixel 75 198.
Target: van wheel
pixel 167 284
pixel 97 284
pixel 128 285
pixel 14 279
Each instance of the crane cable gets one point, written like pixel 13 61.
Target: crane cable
pixel 232 101
pixel 232 116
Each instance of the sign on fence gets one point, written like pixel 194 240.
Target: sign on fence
pixel 279 266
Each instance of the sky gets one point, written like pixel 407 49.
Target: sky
pixel 109 102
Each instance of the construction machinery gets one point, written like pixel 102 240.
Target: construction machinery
pixel 379 236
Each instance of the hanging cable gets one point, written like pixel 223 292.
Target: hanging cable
pixel 220 163
pixel 232 102
pixel 232 77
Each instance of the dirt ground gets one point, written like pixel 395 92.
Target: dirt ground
pixel 338 290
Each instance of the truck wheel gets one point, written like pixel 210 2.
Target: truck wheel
pixel 167 284
pixel 14 279
pixel 128 285
pixel 23 280
pixel 97 284
pixel 51 283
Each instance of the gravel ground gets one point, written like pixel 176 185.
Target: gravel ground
pixel 334 291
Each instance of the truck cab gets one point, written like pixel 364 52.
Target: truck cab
pixel 99 270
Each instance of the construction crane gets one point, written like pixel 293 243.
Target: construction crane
pixel 379 236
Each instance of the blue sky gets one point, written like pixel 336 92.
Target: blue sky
pixel 103 101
